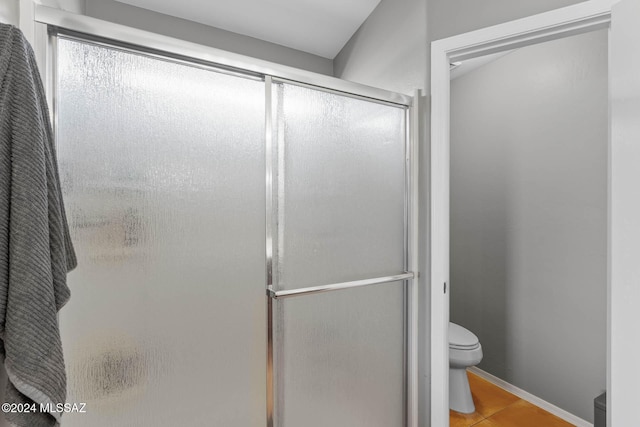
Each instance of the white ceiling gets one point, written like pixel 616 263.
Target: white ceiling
pixel 320 27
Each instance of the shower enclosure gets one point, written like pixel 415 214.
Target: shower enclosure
pixel 244 242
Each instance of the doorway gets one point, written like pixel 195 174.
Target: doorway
pixel 528 254
pixel 623 227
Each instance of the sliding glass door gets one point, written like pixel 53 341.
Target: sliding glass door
pixel 203 298
pixel 339 210
pixel 162 168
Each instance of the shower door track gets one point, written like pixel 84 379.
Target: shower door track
pixel 144 41
pixel 52 22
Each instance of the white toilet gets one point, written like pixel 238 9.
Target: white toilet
pixel 464 351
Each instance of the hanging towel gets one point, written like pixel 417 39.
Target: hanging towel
pixel 35 248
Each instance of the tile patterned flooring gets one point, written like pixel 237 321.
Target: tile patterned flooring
pixel 496 407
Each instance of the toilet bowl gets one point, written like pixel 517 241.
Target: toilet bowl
pixel 464 351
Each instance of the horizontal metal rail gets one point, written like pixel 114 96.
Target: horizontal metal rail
pixel 337 286
pixel 338 92
pixel 172 47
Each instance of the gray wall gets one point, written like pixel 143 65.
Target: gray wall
pixel 136 17
pixel 74 6
pixel 528 217
pixel 389 49
pixel 9 12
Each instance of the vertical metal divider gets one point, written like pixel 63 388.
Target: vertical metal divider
pixel 279 225
pixel 407 294
pixel 413 135
pixel 41 48
pixel 405 257
pixel 45 48
pixel 274 151
pixel 51 80
pixel 269 246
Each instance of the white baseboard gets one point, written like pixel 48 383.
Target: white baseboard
pixel 561 413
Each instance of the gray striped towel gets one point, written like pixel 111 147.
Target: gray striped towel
pixel 35 248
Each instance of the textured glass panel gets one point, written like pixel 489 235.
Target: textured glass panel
pixel 340 187
pixel 342 359
pixel 163 175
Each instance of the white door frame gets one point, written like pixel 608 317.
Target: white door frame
pixel 582 17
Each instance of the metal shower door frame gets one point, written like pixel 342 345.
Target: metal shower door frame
pixel 408 276
pixel 50 23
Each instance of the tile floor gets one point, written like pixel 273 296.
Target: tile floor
pixel 496 407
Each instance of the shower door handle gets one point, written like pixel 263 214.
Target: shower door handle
pixel 337 286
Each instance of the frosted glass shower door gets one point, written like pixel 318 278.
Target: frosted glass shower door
pixel 162 168
pixel 339 216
